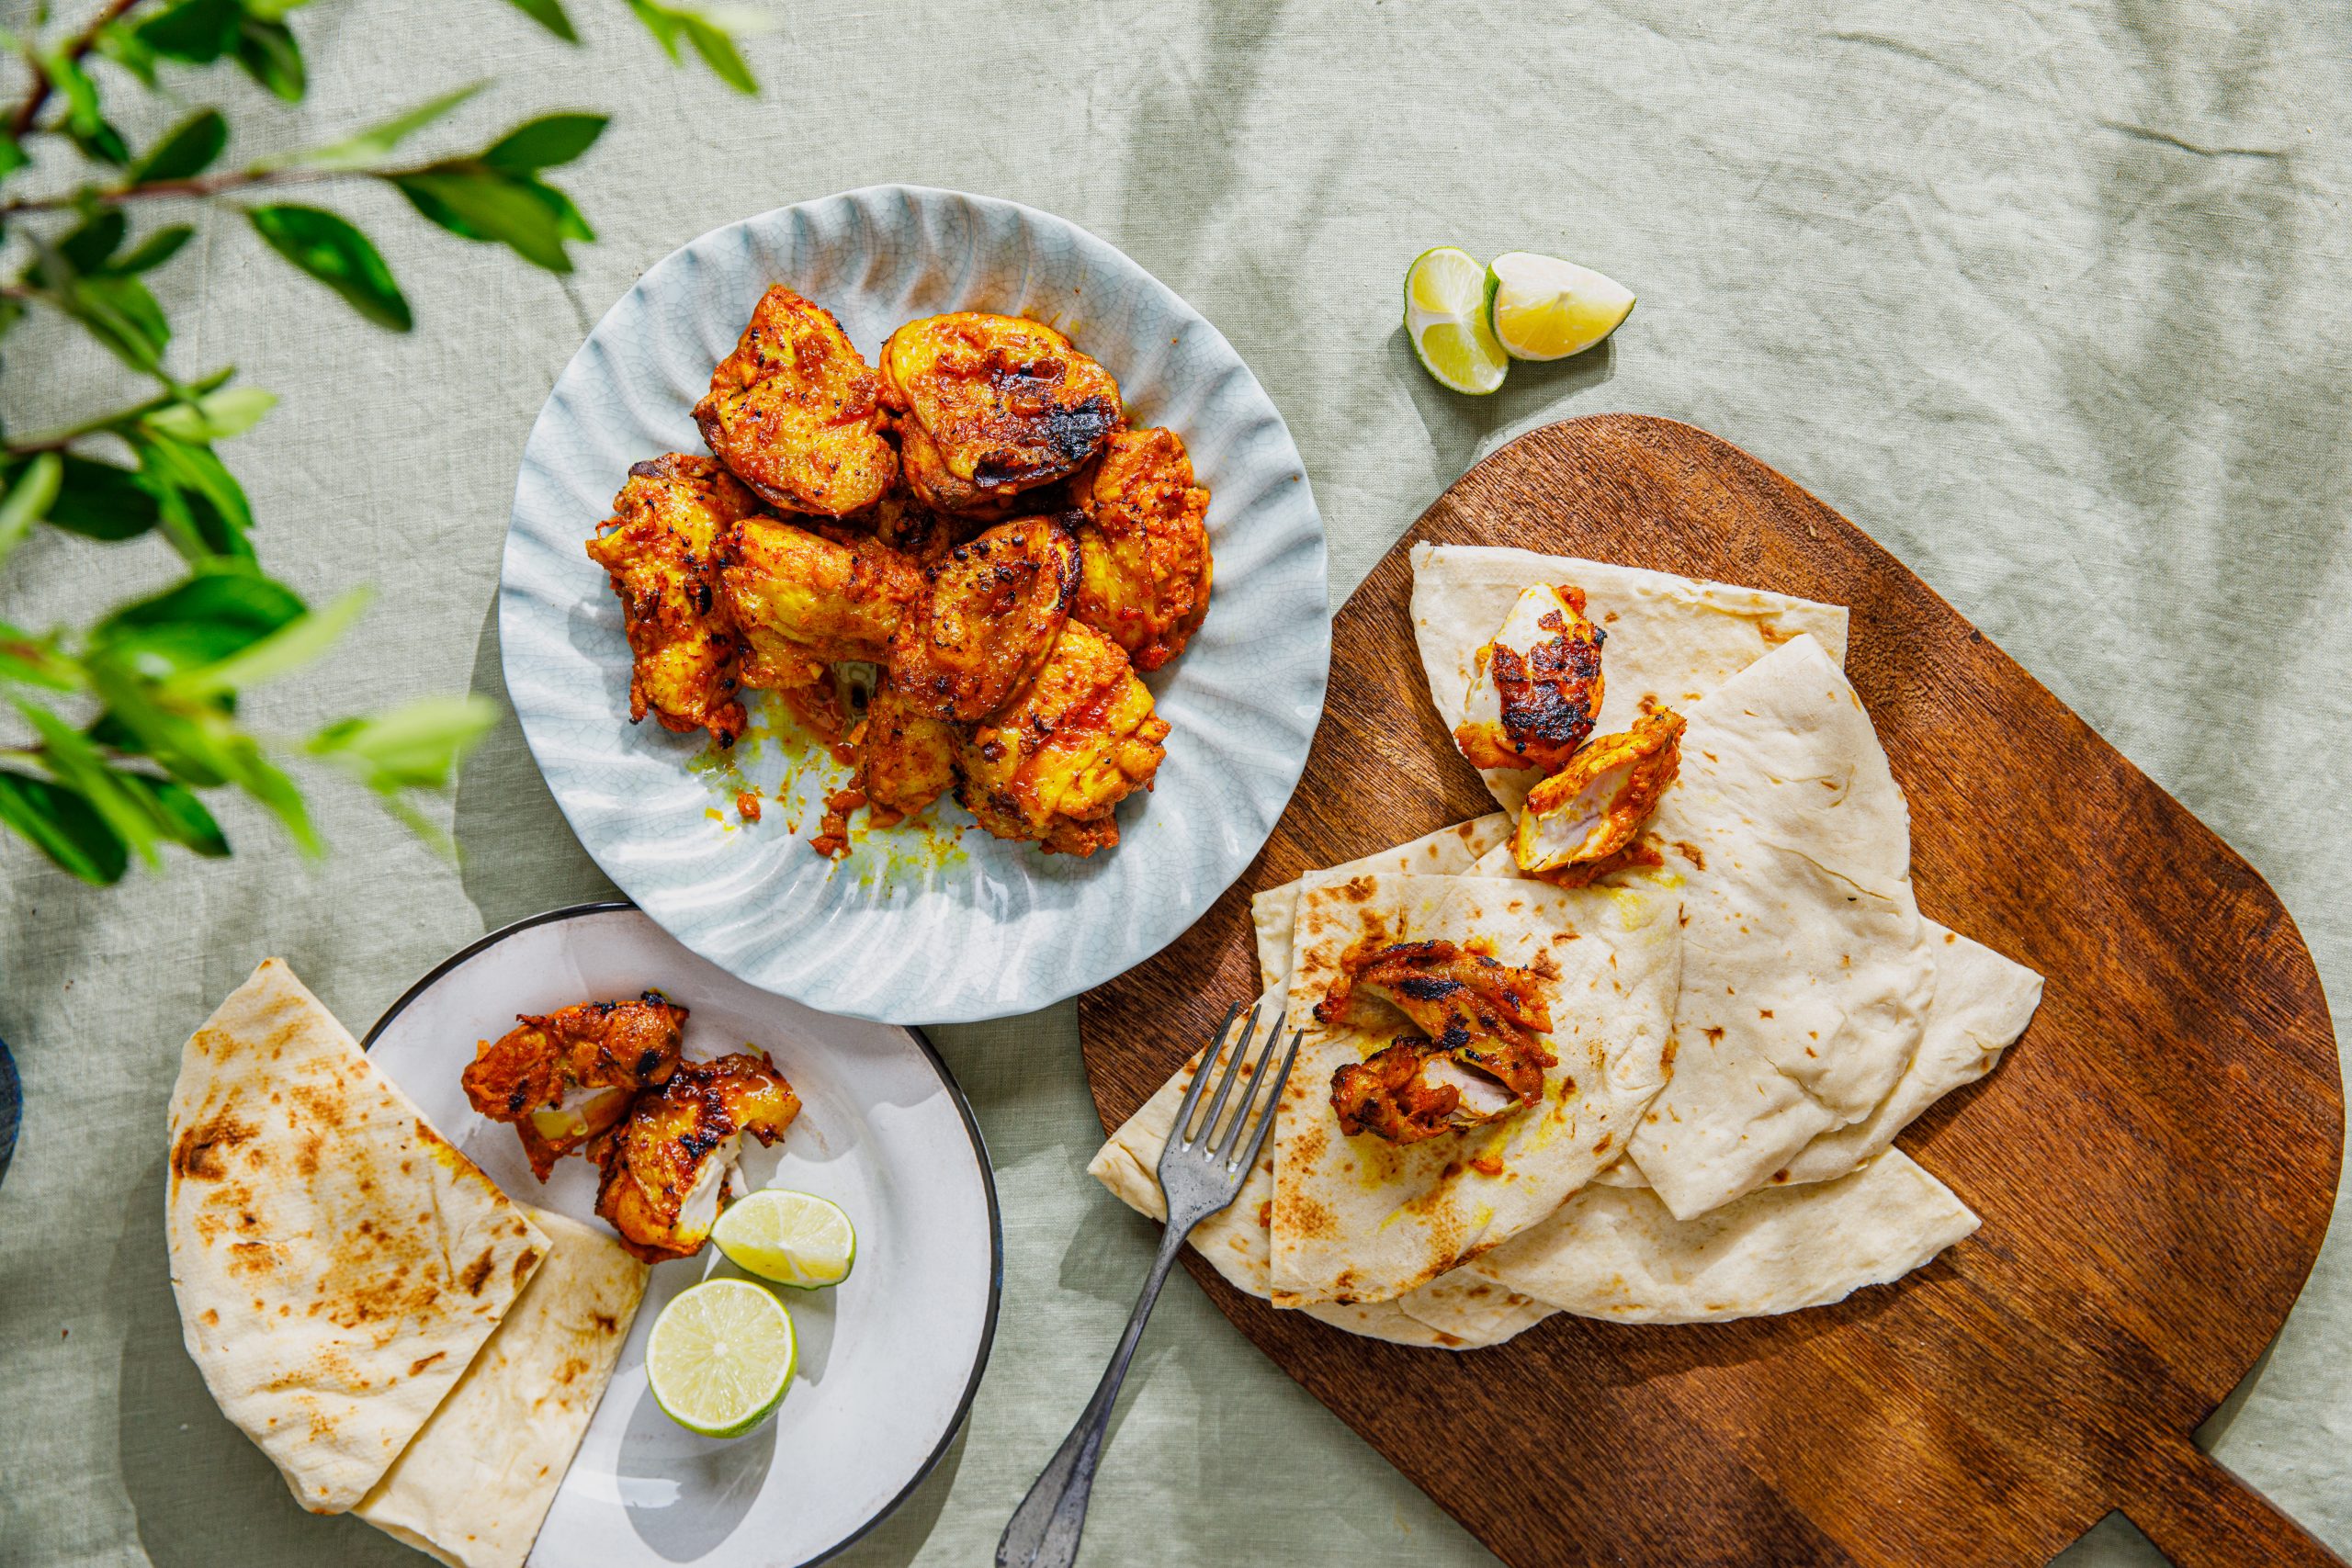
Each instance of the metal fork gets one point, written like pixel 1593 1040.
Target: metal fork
pixel 1199 1174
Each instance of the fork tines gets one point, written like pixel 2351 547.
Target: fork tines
pixel 1182 1137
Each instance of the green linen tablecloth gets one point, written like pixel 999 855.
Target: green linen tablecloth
pixel 2051 298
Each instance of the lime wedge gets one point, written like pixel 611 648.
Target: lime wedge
pixel 794 1238
pixel 720 1357
pixel 1445 315
pixel 1544 308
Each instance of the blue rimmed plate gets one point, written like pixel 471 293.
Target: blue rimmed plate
pixel 936 923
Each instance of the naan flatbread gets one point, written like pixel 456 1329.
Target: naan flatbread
pixel 1617 1253
pixel 1364 1220
pixel 337 1263
pixel 1452 1314
pixel 475 1484
pixel 1671 639
pixel 1448 851
pixel 1983 1002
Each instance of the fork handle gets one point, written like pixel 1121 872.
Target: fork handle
pixel 1044 1530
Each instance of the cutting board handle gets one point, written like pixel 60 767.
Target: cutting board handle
pixel 2201 1515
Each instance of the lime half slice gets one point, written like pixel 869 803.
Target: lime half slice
pixel 1445 316
pixel 1544 308
pixel 794 1238
pixel 720 1357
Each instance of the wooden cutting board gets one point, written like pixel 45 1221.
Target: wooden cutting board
pixel 2154 1162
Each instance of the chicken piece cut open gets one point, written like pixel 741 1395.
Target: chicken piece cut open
pixel 563 1077
pixel 1578 823
pixel 665 1164
pixel 1478 1054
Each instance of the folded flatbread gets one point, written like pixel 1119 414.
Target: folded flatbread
pixel 337 1263
pixel 1455 1312
pixel 1670 639
pixel 1616 1253
pixel 1359 1219
pixel 474 1485
pixel 1448 851
pixel 1806 979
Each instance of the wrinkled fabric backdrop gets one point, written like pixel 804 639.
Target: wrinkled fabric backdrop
pixel 2051 298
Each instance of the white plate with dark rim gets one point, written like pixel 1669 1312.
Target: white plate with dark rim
pixel 890 1358
pixel 918 924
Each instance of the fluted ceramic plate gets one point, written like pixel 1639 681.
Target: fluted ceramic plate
pixel 936 921
pixel 890 1358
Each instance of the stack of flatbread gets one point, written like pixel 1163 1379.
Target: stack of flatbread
pixel 1740 1030
pixel 402 1340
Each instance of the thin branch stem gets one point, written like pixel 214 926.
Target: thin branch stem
pixel 198 188
pixel 76 48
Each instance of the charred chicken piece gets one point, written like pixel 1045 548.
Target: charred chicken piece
pixel 989 406
pixel 1579 823
pixel 563 1077
pixel 801 600
pixel 1145 582
pixel 660 550
pixel 665 1166
pixel 919 533
pixel 1536 688
pixel 906 758
pixel 797 413
pixel 989 620
pixel 1075 742
pixel 1487 1017
pixel 1413 1090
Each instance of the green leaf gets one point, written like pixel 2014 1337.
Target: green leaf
pixel 549 15
pixel 216 416
pixel 84 123
pixel 282 652
pixel 414 746
pixel 188 150
pixel 74 762
pixel 481 203
pixel 85 249
pixel 102 500
pixel 371 146
pixel 210 618
pixel 709 32
pixel 121 44
pixel 28 498
pixel 12 155
pixel 197 31
pixel 195 471
pixel 544 142
pixel 268 54
pixel 154 250
pixel 176 812
pixel 195 743
pixel 121 314
pixel 338 256
pixel 273 10
pixel 61 825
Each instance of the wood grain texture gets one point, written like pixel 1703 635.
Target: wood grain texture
pixel 2156 1162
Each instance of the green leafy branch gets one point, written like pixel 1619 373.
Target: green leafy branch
pixel 110 733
